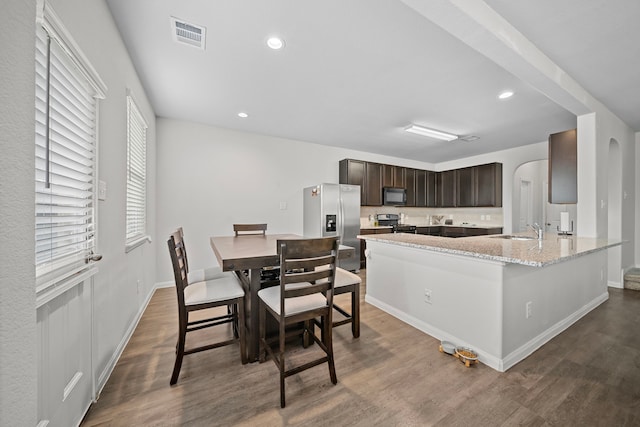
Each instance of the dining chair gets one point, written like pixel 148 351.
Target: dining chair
pixel 304 293
pixel 242 229
pixel 347 282
pixel 196 296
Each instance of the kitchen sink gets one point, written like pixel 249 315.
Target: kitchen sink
pixel 512 237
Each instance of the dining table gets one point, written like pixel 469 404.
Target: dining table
pixel 248 255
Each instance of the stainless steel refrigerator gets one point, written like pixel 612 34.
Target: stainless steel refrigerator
pixel 334 210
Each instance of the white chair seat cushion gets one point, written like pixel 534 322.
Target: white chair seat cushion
pixel 206 274
pixel 223 288
pixel 271 297
pixel 343 277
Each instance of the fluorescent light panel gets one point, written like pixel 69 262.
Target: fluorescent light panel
pixel 431 133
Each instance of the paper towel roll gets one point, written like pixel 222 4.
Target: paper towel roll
pixel 564 221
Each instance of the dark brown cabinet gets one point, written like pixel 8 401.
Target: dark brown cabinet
pixel 429 230
pixel 365 174
pixel 563 167
pixel 488 185
pixel 393 176
pixel 373 187
pixel 446 188
pixel 410 185
pixel 465 187
pixel 363 243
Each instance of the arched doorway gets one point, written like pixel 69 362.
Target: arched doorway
pixel 614 213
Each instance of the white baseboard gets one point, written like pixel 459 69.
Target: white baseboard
pixel 500 365
pixel 108 370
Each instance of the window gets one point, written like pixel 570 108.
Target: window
pixel 136 175
pixel 67 89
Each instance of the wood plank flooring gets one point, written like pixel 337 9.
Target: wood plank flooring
pixel 393 375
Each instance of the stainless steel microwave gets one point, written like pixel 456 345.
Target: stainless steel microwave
pixel 394 196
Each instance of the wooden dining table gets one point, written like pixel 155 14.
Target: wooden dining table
pixel 252 254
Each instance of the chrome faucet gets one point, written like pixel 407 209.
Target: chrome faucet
pixel 538 229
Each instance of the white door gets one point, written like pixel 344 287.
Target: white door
pixel 526 205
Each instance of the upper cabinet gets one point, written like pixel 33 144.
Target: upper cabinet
pixel 365 174
pixel 393 176
pixel 563 167
pixel 475 186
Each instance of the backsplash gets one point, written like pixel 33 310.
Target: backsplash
pixel 420 216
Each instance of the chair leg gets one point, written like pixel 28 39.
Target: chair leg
pixel 281 362
pixel 263 334
pixel 179 355
pixel 355 312
pixel 328 342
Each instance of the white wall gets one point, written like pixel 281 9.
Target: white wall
pixel 210 178
pixel 118 300
pixel 637 207
pixel 18 370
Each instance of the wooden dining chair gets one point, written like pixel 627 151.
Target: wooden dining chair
pixel 347 282
pixel 303 294
pixel 242 229
pixel 196 296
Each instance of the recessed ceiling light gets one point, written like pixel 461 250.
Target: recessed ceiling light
pixel 243 115
pixel 506 94
pixel 431 133
pixel 275 43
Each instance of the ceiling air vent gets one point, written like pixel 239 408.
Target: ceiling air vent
pixel 191 34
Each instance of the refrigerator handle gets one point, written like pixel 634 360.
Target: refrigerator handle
pixel 340 219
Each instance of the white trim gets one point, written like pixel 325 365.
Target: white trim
pixel 111 364
pixel 135 243
pixel 516 356
pixel 43 423
pixel 71 385
pixel 56 29
pixel 63 286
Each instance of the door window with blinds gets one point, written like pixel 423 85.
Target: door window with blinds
pixel 136 175
pixel 67 92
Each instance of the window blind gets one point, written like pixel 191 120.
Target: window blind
pixel 136 173
pixel 65 162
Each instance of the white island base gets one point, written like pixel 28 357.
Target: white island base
pixel 503 311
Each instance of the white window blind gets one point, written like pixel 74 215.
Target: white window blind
pixel 66 110
pixel 136 174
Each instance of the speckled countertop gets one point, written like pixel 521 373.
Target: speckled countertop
pixel 465 225
pixel 552 249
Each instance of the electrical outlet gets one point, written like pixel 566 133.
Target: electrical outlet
pixel 481 217
pixel 427 296
pixel 488 217
pixel 528 309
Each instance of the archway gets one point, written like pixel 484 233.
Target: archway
pixel 614 213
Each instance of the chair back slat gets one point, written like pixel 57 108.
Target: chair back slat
pixel 241 229
pixel 179 263
pixel 312 261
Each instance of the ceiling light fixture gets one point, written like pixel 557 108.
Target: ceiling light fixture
pixel 431 133
pixel 275 43
pixel 506 94
pixel 243 115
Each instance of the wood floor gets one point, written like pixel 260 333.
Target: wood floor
pixel 393 375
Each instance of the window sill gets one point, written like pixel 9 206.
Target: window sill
pixel 137 242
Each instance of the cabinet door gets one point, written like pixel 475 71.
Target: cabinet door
pixel 446 188
pixel 393 176
pixel 353 172
pixel 432 200
pixel 563 167
pixel 410 185
pixel 488 185
pixel 465 194
pixel 421 188
pixel 373 187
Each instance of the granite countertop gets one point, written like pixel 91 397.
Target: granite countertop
pixel 552 249
pixel 465 225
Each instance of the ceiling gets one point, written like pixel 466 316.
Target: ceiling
pixel 355 73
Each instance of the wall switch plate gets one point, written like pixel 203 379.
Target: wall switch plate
pixel 482 217
pixel 283 206
pixel 528 308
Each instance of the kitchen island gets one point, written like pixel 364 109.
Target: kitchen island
pixel 502 297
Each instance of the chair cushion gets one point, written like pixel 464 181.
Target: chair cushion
pixel 206 274
pixel 271 297
pixel 343 277
pixel 223 288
